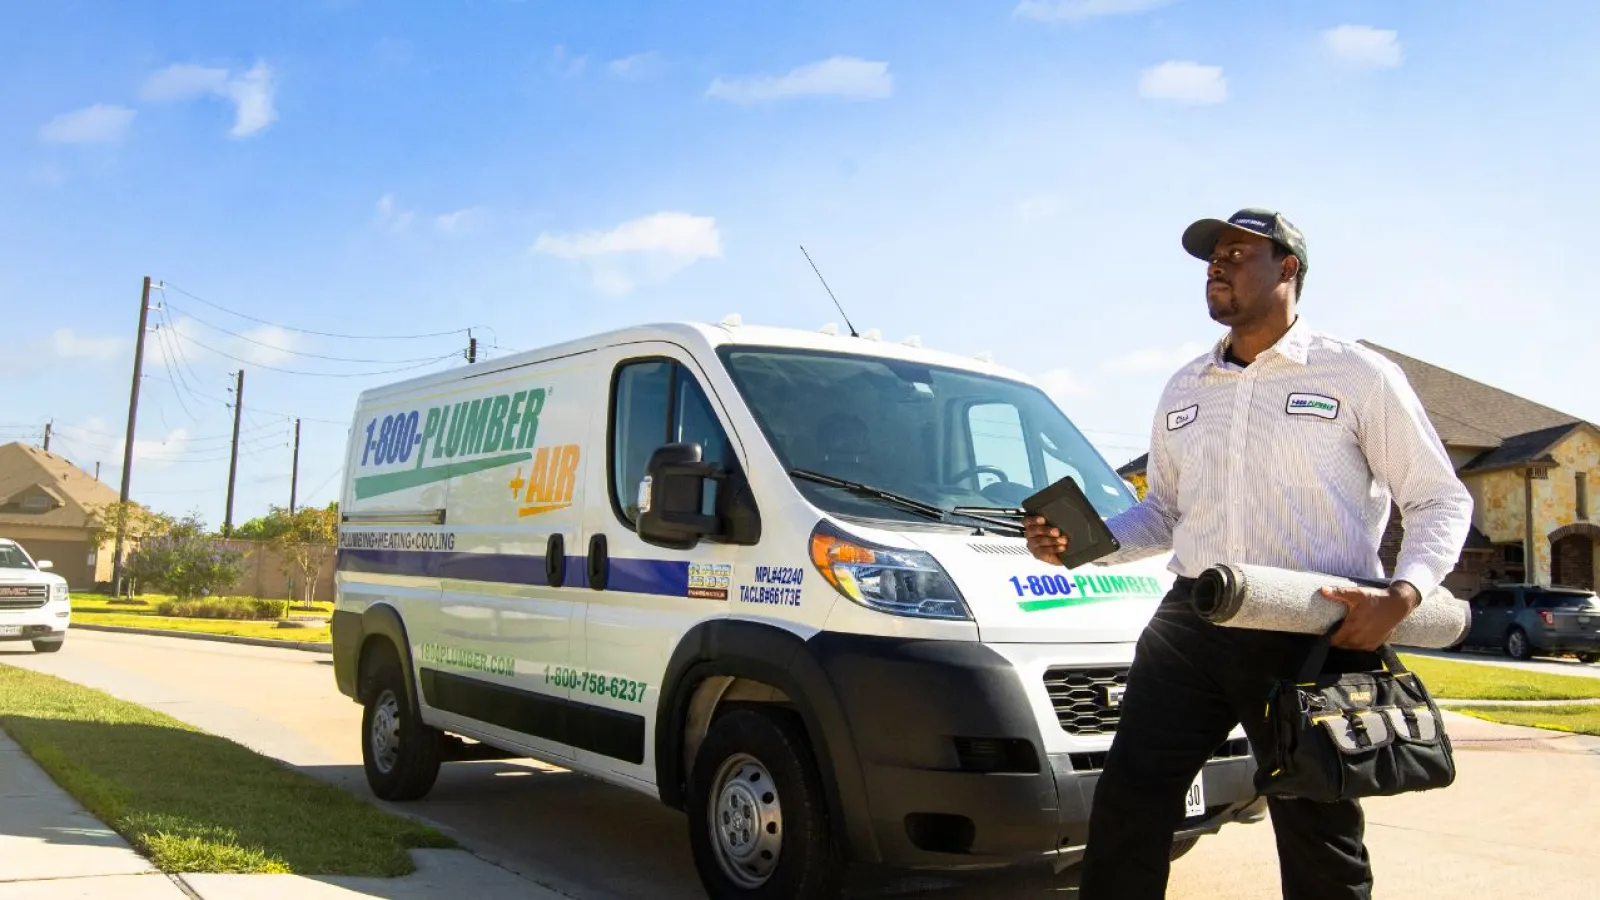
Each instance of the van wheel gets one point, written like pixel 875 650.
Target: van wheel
pixel 49 646
pixel 400 754
pixel 758 821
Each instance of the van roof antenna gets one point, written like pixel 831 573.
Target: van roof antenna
pixel 830 292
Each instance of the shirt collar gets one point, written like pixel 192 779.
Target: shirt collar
pixel 1295 345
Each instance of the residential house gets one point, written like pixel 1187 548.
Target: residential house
pixel 45 503
pixel 1529 469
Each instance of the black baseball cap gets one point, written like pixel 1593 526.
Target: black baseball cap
pixel 1200 238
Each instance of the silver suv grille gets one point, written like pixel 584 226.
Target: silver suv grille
pixel 1083 698
pixel 23 596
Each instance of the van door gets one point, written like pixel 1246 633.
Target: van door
pixel 650 596
pixel 500 648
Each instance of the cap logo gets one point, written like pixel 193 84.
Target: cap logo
pixel 1253 223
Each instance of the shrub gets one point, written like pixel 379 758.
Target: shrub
pixel 185 562
pixel 224 608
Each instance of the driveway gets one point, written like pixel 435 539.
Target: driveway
pixel 1496 832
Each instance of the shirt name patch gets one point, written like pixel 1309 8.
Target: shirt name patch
pixel 1312 405
pixel 1182 417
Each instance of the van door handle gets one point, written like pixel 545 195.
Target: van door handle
pixel 555 560
pixel 599 562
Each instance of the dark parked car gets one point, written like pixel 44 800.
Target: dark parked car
pixel 1528 620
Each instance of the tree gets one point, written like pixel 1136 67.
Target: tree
pixel 303 540
pixel 264 528
pixel 184 561
pixel 137 523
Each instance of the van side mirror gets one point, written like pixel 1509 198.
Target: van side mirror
pixel 670 497
pixel 45 564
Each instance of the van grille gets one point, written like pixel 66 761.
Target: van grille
pixel 23 596
pixel 1080 698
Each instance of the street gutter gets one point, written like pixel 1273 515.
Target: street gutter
pixel 307 646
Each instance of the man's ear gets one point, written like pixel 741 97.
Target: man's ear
pixel 1291 268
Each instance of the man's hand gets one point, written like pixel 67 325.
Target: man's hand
pixel 1373 614
pixel 1045 542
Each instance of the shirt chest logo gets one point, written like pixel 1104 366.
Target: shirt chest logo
pixel 1312 405
pixel 1179 418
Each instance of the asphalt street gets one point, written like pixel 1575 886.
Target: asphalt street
pixel 1519 821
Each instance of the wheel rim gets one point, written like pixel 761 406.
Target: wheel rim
pixel 1518 644
pixel 746 821
pixel 384 734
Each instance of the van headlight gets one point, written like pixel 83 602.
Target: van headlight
pixel 58 592
pixel 886 579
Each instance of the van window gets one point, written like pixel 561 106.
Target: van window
pixel 916 430
pixel 659 402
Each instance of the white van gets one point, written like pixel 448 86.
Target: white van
pixel 34 602
pixel 774 578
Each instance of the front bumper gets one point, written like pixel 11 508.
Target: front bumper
pixel 33 631
pixel 954 767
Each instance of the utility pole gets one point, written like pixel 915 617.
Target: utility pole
pixel 472 348
pixel 47 435
pixel 97 470
pixel 127 446
pixel 233 460
pixel 294 477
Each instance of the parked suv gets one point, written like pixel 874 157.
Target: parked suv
pixel 1529 620
pixel 34 605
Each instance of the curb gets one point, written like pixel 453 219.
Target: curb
pixel 307 646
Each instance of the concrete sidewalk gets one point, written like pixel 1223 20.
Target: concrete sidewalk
pixel 51 848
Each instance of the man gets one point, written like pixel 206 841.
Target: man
pixel 1280 447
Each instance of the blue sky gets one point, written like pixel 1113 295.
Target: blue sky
pixel 990 176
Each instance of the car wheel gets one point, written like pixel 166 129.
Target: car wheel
pixel 758 818
pixel 1517 645
pixel 400 754
pixel 49 646
pixel 1589 659
pixel 1182 846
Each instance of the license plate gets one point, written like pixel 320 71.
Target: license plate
pixel 10 630
pixel 1194 802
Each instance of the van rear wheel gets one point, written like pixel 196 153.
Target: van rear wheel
pixel 400 754
pixel 758 820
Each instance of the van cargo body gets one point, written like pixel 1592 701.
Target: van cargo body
pixel 773 578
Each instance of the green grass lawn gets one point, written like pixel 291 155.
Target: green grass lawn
pixel 1578 719
pixel 192 801
pixel 98 609
pixel 1448 680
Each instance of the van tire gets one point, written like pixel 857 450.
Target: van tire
pixel 400 754
pixel 750 746
pixel 49 646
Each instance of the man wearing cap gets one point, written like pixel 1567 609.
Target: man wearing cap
pixel 1282 446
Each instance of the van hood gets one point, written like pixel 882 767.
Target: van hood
pixel 1016 599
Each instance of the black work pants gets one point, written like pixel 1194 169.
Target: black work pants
pixel 1190 683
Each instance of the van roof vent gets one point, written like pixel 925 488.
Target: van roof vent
pixel 732 320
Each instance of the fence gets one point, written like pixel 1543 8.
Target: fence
pixel 268 574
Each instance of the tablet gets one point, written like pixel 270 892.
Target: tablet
pixel 1065 506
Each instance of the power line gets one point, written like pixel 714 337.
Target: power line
pixel 437 359
pixel 354 337
pixel 279 349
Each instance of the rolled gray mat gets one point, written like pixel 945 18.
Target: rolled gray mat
pixel 1267 598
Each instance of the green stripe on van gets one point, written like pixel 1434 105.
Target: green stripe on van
pixel 389 482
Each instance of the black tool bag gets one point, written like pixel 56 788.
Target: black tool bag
pixel 1361 734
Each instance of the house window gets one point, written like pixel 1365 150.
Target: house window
pixel 1583 494
pixel 35 503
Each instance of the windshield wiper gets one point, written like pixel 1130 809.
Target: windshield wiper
pixel 910 504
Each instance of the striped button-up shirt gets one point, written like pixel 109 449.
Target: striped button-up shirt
pixel 1292 462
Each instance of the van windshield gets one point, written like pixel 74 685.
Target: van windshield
pixel 942 436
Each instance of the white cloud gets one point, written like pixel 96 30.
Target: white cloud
pixel 267 345
pixel 838 76
pixel 1079 10
pixel 100 123
pixel 1155 360
pixel 1185 82
pixel 1364 46
pixel 638 65
pixel 391 217
pixel 650 249
pixel 458 221
pixel 1039 207
pixel 68 344
pixel 251 92
pixel 1062 384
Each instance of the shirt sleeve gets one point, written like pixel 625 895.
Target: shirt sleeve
pixel 1145 529
pixel 1409 460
